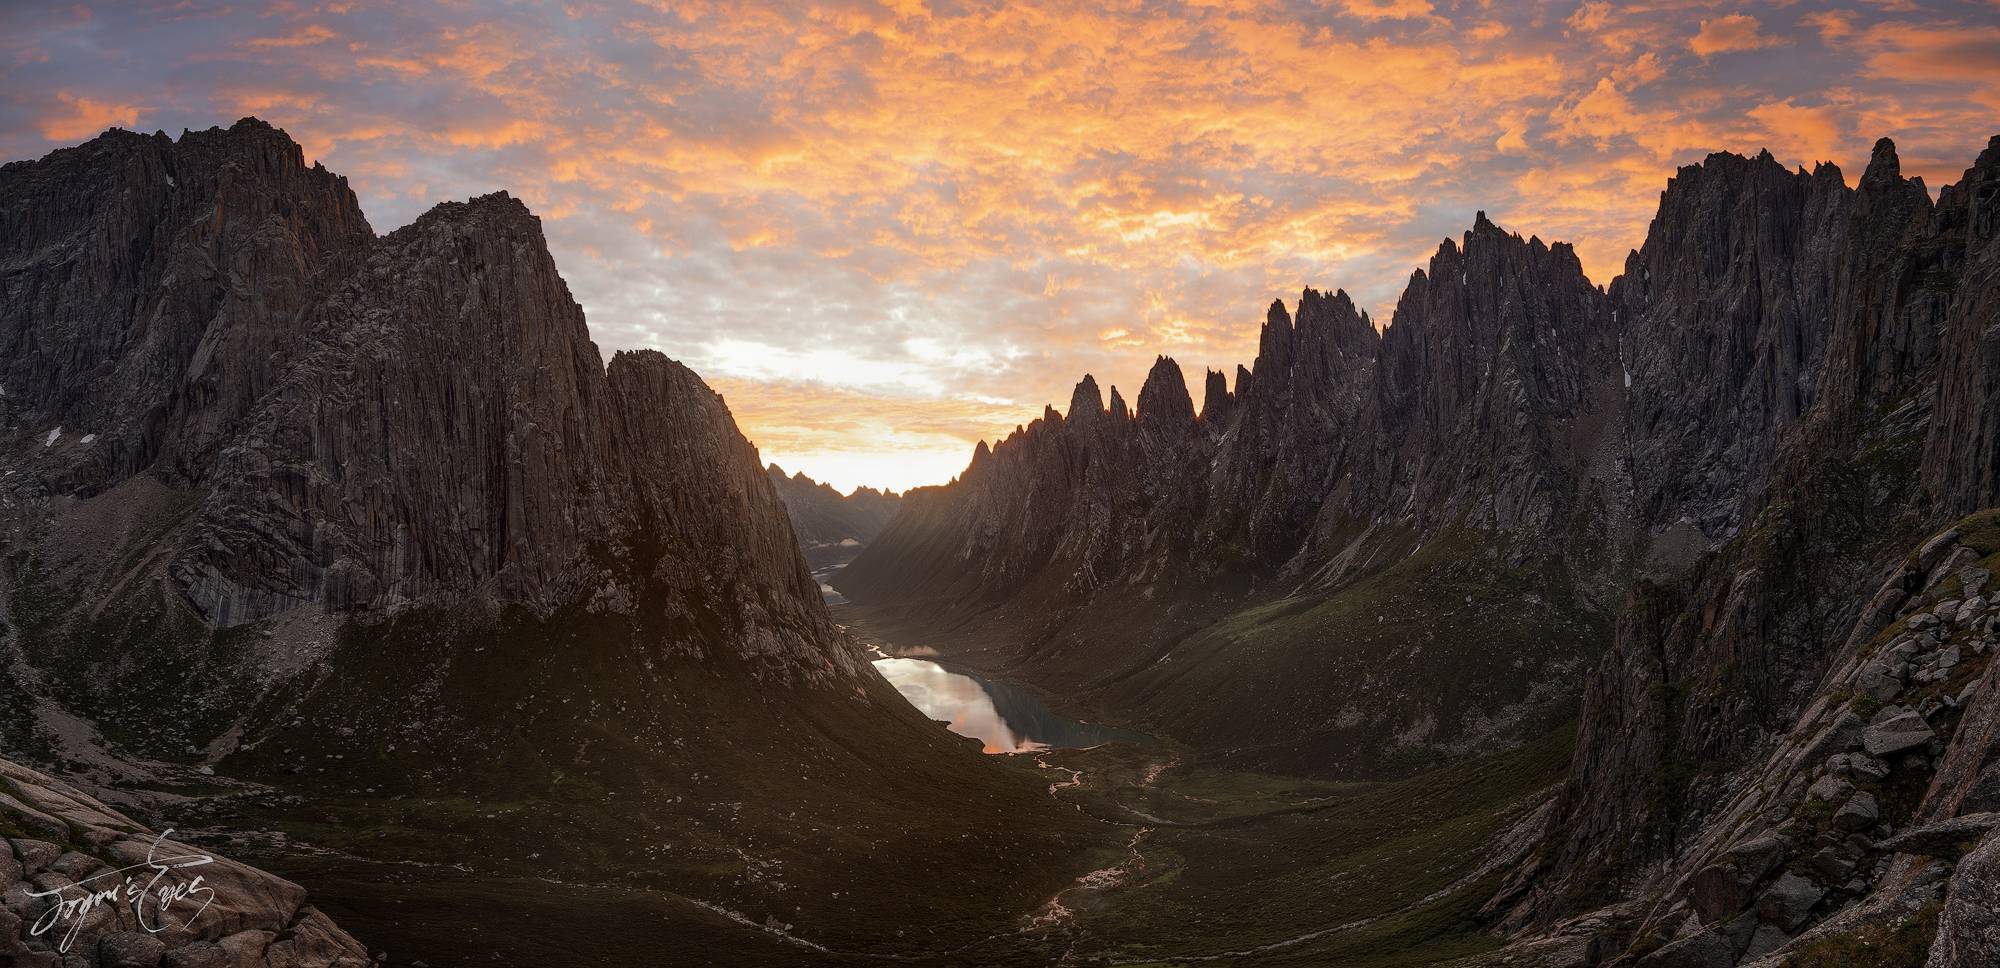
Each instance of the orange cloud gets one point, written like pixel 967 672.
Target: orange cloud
pixel 303 37
pixel 1737 31
pixel 80 117
pixel 892 209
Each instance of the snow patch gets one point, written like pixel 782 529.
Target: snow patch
pixel 54 435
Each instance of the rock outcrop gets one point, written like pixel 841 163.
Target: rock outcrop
pixel 63 846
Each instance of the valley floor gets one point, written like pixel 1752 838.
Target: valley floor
pixel 1206 864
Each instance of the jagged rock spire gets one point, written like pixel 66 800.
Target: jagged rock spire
pixel 1086 401
pixel 1215 398
pixel 1165 410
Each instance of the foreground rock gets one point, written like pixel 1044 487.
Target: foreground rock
pixel 215 912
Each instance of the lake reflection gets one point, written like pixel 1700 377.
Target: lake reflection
pixel 1004 717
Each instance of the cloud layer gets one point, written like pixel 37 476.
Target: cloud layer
pixel 888 230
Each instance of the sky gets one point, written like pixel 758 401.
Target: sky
pixel 885 231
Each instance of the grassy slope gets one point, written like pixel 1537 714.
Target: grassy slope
pixel 1442 643
pixel 548 770
pixel 1246 868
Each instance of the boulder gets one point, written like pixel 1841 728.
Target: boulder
pixel 1830 788
pixel 1973 579
pixel 1969 610
pixel 1839 736
pixel 1936 549
pixel 1768 938
pixel 1867 767
pixel 35 855
pixel 1905 730
pixel 129 949
pixel 1723 888
pixel 1882 680
pixel 1832 865
pixel 1860 812
pixel 1705 950
pixel 1789 902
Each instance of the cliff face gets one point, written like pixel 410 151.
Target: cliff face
pixel 1724 317
pixel 153 291
pixel 1728 450
pixel 248 340
pixel 1735 693
pixel 381 472
pixel 1110 550
pixel 278 487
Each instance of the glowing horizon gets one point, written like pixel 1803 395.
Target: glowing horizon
pixel 886 231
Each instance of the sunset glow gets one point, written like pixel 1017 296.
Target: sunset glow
pixel 886 231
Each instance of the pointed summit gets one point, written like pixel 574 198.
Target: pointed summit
pixel 1215 398
pixel 1274 346
pixel 1165 410
pixel 1086 401
pixel 1883 165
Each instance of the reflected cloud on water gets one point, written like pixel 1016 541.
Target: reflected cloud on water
pixel 1005 718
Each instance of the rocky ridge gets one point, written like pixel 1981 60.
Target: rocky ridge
pixel 832 527
pixel 1719 458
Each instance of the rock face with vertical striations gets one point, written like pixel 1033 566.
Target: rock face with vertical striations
pixel 153 289
pixel 1112 552
pixel 1839 641
pixel 317 399
pixel 323 520
pixel 1423 538
pixel 1723 319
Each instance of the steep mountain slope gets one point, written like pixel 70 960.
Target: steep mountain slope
pixel 1733 689
pixel 1708 467
pixel 1357 500
pixel 365 529
pixel 832 527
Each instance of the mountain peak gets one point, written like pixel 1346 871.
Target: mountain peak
pixel 1086 400
pixel 1165 410
pixel 1215 397
pixel 1883 164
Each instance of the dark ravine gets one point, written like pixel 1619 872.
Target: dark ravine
pixel 345 582
pixel 1713 479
